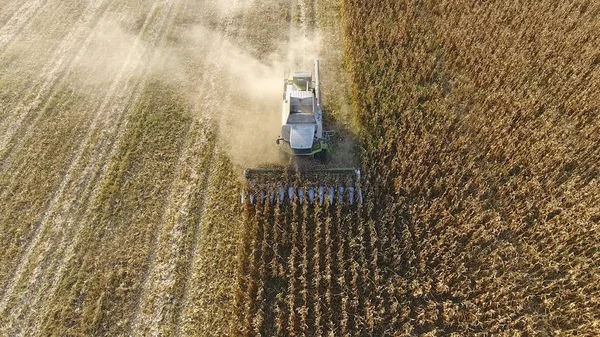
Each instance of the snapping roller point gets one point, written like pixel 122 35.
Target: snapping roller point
pixel 320 185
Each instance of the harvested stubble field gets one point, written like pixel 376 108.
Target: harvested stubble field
pixel 122 127
pixel 119 194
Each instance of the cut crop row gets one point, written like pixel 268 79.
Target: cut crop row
pixel 100 284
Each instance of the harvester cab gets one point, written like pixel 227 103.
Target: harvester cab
pixel 302 138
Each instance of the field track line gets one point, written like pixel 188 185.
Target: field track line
pixel 59 66
pixel 167 210
pixel 18 21
pixel 119 127
pixel 303 28
pixel 214 101
pixel 192 252
pixel 161 274
pixel 24 260
pixel 306 31
pixel 205 198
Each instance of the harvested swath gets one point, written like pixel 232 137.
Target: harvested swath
pixel 161 299
pixel 207 308
pixel 112 253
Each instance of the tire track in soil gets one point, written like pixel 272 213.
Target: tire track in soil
pixel 192 252
pixel 91 14
pixel 18 22
pixel 151 267
pixel 56 70
pixel 214 100
pixel 122 107
pixel 8 10
pixel 304 33
pixel 120 122
pixel 151 304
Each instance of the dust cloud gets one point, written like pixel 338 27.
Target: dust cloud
pixel 243 93
pixel 112 52
pixel 249 112
pixel 212 68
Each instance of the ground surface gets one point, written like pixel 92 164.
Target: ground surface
pixel 124 126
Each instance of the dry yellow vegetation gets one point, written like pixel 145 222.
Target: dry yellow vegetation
pixel 119 205
pixel 479 132
pixel 480 141
pixel 485 116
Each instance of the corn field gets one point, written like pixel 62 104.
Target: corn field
pixel 303 269
pixel 479 130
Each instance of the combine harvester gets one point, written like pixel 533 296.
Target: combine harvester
pixel 307 177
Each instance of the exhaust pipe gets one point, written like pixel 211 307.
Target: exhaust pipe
pixel 317 83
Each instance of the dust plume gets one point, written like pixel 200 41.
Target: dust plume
pixel 112 51
pixel 214 69
pixel 240 91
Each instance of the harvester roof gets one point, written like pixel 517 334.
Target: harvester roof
pixel 301 136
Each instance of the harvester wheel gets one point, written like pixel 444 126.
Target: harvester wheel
pixel 322 156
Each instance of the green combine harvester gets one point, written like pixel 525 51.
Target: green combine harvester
pixel 308 177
